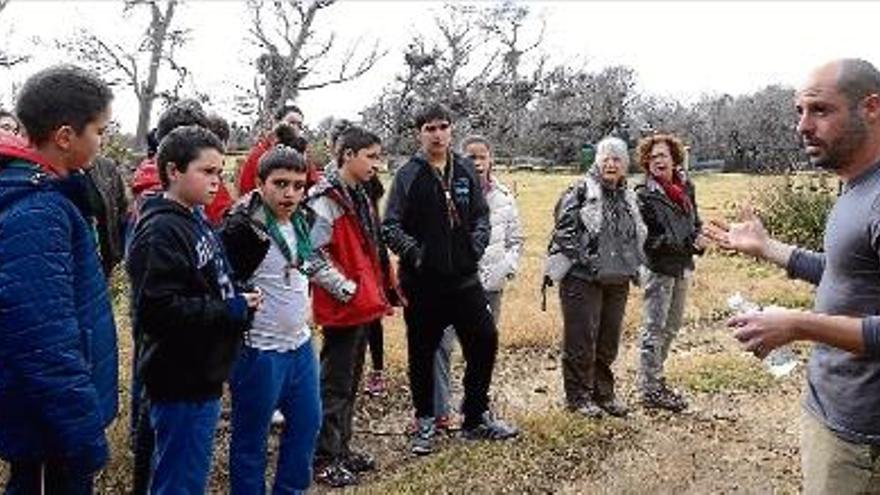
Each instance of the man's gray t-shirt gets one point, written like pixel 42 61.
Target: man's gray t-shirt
pixel 843 389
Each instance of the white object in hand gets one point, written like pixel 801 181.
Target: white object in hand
pixel 781 361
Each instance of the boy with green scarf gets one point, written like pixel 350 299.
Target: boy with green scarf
pixel 267 238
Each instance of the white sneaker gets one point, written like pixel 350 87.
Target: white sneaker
pixel 277 418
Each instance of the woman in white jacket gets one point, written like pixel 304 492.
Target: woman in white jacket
pixel 498 265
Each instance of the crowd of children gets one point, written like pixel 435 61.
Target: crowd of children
pixel 227 291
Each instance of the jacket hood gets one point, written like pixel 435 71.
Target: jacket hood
pixel 159 204
pixel 15 148
pixel 146 177
pixel 17 183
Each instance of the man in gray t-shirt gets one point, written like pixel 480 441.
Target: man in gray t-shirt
pixel 839 125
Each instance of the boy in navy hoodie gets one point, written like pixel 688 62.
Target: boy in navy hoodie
pixel 186 307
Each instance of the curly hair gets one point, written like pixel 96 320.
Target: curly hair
pixel 646 144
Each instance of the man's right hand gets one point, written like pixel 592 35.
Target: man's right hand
pixel 746 236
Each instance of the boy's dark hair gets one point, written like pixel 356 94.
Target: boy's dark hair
pixel 58 96
pixel 285 109
pixel 219 126
pixel 152 143
pixel 287 136
pixel 179 114
pixel 280 157
pixel 181 146
pixel 355 139
pixel 432 111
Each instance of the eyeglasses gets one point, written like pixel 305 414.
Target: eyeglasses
pixel 429 128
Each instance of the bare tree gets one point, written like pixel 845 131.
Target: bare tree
pixel 7 60
pixel 139 67
pixel 294 53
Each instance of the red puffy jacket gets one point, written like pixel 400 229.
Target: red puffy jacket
pixel 353 252
pixel 146 180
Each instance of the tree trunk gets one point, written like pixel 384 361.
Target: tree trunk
pixel 147 94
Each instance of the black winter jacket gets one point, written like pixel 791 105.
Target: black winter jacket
pixel 672 231
pixel 184 305
pixel 112 211
pixel 417 225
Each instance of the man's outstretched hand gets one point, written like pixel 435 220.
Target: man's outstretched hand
pixel 747 236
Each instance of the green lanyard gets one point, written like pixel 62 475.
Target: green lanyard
pixel 303 243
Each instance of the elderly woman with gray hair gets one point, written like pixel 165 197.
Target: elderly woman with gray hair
pixel 595 252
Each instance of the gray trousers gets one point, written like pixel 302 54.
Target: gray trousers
pixel 592 316
pixel 663 313
pixel 444 356
pixel 832 465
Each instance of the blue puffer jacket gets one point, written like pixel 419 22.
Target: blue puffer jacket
pixel 58 357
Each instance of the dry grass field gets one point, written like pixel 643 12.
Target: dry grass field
pixel 740 435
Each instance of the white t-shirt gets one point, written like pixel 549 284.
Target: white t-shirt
pixel 281 324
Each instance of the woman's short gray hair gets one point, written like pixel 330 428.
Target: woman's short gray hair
pixel 611 146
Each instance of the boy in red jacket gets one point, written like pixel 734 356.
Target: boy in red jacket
pixel 346 229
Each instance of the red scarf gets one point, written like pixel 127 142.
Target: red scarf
pixel 675 191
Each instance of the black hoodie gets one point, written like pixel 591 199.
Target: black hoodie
pixel 439 244
pixel 184 305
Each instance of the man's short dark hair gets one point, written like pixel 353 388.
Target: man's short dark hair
pixel 182 146
pixel 219 126
pixel 286 109
pixel 287 135
pixel 355 139
pixel 58 96
pixel 179 114
pixel 431 112
pixel 280 157
pixel 858 79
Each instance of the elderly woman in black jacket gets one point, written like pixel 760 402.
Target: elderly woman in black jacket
pixel 669 208
pixel 595 253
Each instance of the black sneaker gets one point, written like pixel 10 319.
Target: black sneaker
pixel 359 462
pixel 489 428
pixel 423 437
pixel 663 397
pixel 335 474
pixel 587 408
pixel 614 407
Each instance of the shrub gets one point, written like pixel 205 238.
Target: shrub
pixel 794 208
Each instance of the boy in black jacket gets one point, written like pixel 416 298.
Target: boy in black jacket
pixel 437 222
pixel 185 306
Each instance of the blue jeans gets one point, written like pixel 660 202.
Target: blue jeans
pixel 261 382
pixel 184 443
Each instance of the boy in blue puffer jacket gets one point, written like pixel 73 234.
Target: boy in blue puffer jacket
pixel 58 357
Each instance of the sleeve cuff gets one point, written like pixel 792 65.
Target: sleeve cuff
pixel 237 307
pixel 871 335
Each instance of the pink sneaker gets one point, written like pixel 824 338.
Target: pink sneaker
pixel 375 384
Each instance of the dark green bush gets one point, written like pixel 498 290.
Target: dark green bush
pixel 794 208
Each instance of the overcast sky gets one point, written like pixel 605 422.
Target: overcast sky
pixel 679 49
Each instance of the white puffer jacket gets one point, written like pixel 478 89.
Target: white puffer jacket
pixel 501 259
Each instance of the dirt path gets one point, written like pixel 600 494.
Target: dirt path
pixel 739 440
